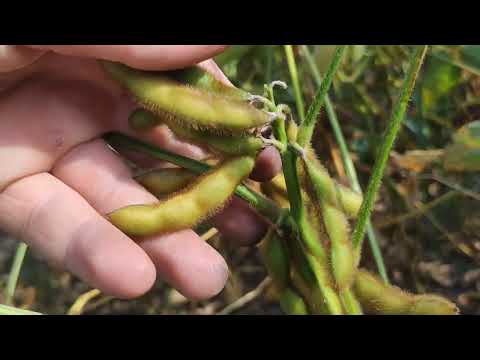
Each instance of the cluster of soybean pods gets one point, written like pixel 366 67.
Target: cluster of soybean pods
pixel 309 258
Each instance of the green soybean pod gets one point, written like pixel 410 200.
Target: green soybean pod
pixel 432 305
pixel 163 182
pixel 185 209
pixel 278 196
pixel 292 131
pixel 378 298
pixel 141 119
pixel 292 303
pixel 198 77
pixel 228 145
pixel 275 257
pixel 337 195
pixel 192 107
pixel 341 252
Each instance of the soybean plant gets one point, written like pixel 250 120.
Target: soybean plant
pixel 308 250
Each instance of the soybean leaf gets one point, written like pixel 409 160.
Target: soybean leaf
pixel 440 78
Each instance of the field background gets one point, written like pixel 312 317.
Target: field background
pixel 427 218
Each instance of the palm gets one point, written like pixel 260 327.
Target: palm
pixel 59 178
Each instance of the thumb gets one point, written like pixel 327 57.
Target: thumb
pixel 146 57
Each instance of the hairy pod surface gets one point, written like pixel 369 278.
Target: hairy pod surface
pixel 275 257
pixel 198 77
pixel 140 119
pixel 228 145
pixel 292 303
pixel 378 298
pixel 187 208
pixel 163 182
pixel 189 106
pixel 292 131
pixel 278 197
pixel 433 305
pixel 326 188
pixel 323 294
pixel 341 250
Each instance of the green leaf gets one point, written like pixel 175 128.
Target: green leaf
pixel 440 78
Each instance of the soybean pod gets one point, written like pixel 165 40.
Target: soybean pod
pixel 379 298
pixel 198 77
pixel 185 209
pixel 292 303
pixel 231 145
pixel 189 106
pixel 163 182
pixel 336 194
pixel 275 257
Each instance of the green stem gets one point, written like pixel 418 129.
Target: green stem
pixel 263 205
pixel 350 303
pixel 347 162
pixel 15 272
pixel 316 253
pixel 306 128
pixel 394 125
pixel 292 67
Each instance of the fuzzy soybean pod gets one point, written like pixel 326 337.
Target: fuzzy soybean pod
pixel 185 209
pixel 189 106
pixel 141 120
pixel 379 298
pixel 163 182
pixel 229 145
pixel 292 303
pixel 432 305
pixel 337 228
pixel 276 190
pixel 311 275
pixel 337 195
pixel 341 252
pixel 198 77
pixel 275 257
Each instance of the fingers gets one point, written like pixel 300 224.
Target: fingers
pixel 182 259
pixel 214 69
pixel 148 57
pixel 62 228
pixel 240 224
pixel 13 57
pixel 267 166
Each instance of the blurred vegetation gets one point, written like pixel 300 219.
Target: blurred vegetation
pixel 427 216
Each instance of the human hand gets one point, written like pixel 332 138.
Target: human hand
pixel 59 177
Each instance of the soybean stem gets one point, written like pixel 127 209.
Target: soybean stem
pixel 305 131
pixel 394 125
pixel 347 162
pixel 15 272
pixel 297 208
pixel 292 67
